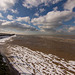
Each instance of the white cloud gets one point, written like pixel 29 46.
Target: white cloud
pixel 53 19
pixel 1 15
pixel 55 8
pixel 17 26
pixel 42 10
pixel 36 14
pixel 71 29
pixel 2 21
pixel 74 22
pixel 25 19
pixel 7 4
pixel 69 5
pixel 10 17
pixel 13 11
pixel 35 3
pixel 7 23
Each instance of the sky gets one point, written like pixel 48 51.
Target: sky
pixel 37 16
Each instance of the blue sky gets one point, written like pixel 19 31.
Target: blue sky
pixel 37 16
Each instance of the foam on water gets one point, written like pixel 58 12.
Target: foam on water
pixel 27 61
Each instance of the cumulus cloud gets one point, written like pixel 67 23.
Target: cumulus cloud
pixel 1 15
pixel 14 11
pixel 36 14
pixel 5 22
pixel 2 21
pixel 25 19
pixel 41 10
pixel 7 4
pixel 35 3
pixel 10 17
pixel 69 5
pixel 17 26
pixel 67 29
pixel 74 22
pixel 55 8
pixel 52 19
pixel 71 29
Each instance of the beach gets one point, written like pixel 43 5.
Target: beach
pixel 41 55
pixel 64 48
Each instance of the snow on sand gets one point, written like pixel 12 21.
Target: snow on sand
pixel 27 61
pixel 6 38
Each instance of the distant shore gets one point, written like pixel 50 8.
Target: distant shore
pixel 3 34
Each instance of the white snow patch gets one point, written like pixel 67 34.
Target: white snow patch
pixel 6 38
pixel 38 63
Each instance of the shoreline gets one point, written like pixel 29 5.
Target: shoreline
pixel 36 45
pixel 58 46
pixel 4 41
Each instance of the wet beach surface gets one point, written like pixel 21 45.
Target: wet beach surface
pixel 63 48
pixel 40 55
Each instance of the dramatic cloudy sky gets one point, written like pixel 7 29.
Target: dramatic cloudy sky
pixel 37 16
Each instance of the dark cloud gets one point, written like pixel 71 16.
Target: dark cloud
pixel 17 26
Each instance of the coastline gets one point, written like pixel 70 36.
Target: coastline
pixel 4 39
pixel 64 48
pixel 38 45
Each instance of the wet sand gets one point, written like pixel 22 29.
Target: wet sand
pixel 63 48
